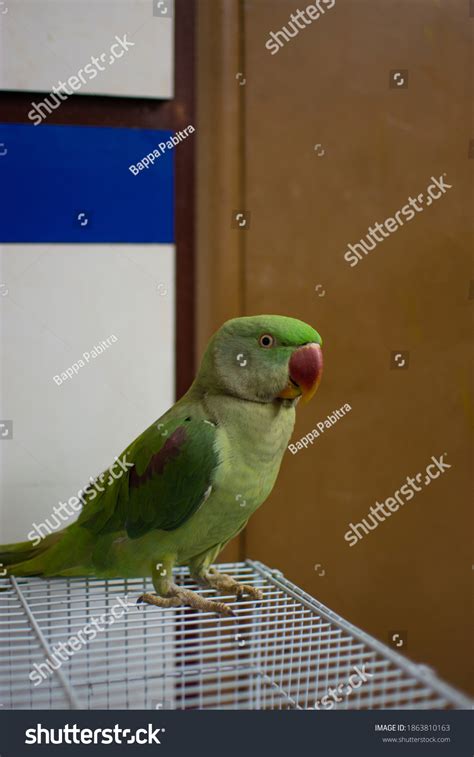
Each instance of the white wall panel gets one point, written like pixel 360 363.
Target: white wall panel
pixel 45 41
pixel 57 302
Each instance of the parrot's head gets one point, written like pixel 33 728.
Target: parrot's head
pixel 264 358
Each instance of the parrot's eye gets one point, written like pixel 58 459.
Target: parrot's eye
pixel 266 340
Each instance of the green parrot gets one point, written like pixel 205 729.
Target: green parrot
pixel 191 481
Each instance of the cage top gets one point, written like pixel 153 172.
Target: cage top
pixel 285 651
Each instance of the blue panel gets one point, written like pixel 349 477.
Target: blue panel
pixel 50 175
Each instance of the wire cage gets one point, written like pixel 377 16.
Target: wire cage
pixel 282 652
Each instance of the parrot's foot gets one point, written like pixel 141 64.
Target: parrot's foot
pixel 228 585
pixel 178 597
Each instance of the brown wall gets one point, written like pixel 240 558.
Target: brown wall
pixel 330 85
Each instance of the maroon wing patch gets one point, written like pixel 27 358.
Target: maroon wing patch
pixel 156 466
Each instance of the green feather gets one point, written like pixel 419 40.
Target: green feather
pixel 198 473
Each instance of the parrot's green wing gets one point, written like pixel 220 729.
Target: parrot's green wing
pixel 173 467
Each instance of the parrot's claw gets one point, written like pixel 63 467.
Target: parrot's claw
pixel 244 589
pixel 228 585
pixel 179 597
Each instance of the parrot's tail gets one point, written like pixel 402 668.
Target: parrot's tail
pixel 15 556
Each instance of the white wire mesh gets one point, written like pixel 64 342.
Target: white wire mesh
pixel 283 652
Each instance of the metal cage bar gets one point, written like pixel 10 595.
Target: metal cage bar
pixel 286 651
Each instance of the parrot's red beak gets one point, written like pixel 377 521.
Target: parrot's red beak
pixel 305 369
